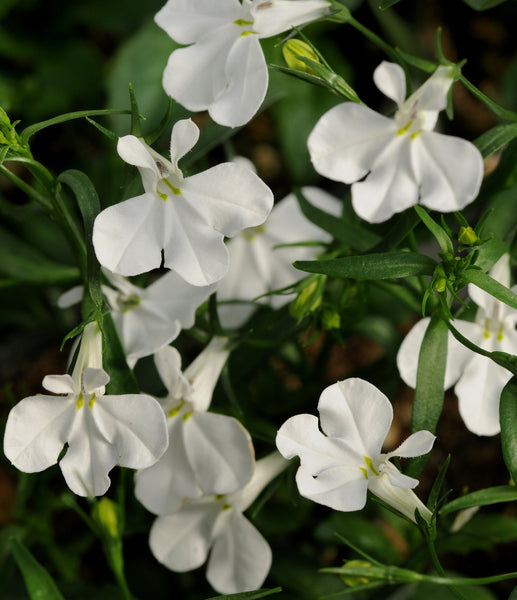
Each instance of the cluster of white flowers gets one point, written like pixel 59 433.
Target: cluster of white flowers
pixel 196 469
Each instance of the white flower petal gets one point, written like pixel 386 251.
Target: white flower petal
pixel 165 307
pixel 449 170
pixel 229 197
pixel 36 431
pixel 193 249
pixel 340 487
pixel 181 541
pixel 403 499
pixel 357 412
pixel 136 152
pixel 416 444
pixel 204 371
pixel 168 364
pixel 195 76
pixel 187 21
pixel 220 452
pixel 135 425
pixel 493 308
pixel 346 141
pixel 128 237
pixel 184 137
pixel 166 485
pixel 94 378
pixel 59 384
pixel 391 187
pixel 300 436
pixel 390 79
pixel 240 558
pixel 479 390
pixel 266 469
pixel 397 478
pixel 457 354
pixel 271 18
pixel 71 297
pixel 432 94
pixel 246 80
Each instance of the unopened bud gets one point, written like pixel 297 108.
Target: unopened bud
pixel 330 319
pixel 355 580
pixel 106 514
pixel 467 236
pixel 293 49
pixel 309 298
pixel 440 284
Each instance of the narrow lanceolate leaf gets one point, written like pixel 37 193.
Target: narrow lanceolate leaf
pixel 371 266
pixel 248 595
pixel 491 286
pixel 493 495
pixel 439 233
pixel 38 582
pixel 494 139
pixel 32 129
pixel 383 4
pixel 427 405
pixel 22 263
pixel 508 419
pixel 89 205
pixel 122 379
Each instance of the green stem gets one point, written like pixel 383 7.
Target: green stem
pixel 373 37
pixel 439 569
pixel 503 113
pixel 26 188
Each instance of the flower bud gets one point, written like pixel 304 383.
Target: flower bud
pixel 293 49
pixel 330 319
pixel 355 580
pixel 106 514
pixel 467 236
pixel 309 298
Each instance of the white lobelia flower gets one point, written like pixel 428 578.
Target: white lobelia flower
pixel 101 431
pixel 337 469
pixel 479 381
pixel 147 319
pixel 186 218
pixel 208 453
pixel 240 558
pixel 258 266
pixel 223 69
pixel 403 159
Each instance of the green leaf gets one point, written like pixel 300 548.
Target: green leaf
pixel 79 114
pixel 439 233
pixel 494 139
pixel 427 405
pixel 89 205
pixel 508 419
pixel 492 495
pixel 483 4
pixel 39 583
pixel 371 266
pixel 355 236
pixel 384 4
pixel 248 595
pixel 491 286
pixel 22 263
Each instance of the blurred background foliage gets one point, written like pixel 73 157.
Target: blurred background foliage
pixel 58 57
